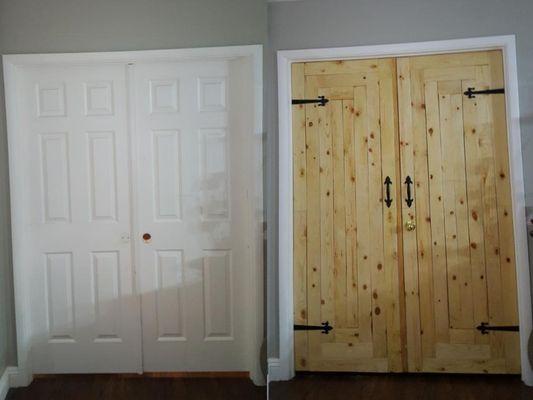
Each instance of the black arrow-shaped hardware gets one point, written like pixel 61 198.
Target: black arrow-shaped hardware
pixel 324 327
pixel 471 92
pixel 484 328
pixel 321 100
pixel 388 183
pixel 409 199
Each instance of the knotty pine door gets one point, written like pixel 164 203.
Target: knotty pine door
pixel 403 286
pixel 345 240
pixel 459 261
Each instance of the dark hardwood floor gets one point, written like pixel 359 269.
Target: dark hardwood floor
pixel 400 386
pixel 103 387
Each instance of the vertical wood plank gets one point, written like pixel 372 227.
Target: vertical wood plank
pixel 480 108
pixel 505 212
pixel 339 213
pixel 313 224
pixel 363 220
pixel 378 278
pixel 412 301
pixel 423 220
pixel 300 216
pixel 392 265
pixel 351 220
pixel 464 245
pixel 326 127
pixel 452 246
pixel 440 278
pixel 473 127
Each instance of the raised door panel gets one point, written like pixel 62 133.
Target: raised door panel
pixel 460 268
pixel 343 274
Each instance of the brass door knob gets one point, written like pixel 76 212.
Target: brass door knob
pixel 410 225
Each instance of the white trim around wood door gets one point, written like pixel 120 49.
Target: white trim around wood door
pixel 285 59
pixel 254 213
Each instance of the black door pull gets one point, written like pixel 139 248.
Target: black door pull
pixel 388 183
pixel 409 199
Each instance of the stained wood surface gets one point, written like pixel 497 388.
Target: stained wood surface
pixel 104 387
pixel 400 386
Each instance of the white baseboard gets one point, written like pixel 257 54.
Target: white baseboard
pixel 19 377
pixel 274 371
pixel 7 381
pixel 4 384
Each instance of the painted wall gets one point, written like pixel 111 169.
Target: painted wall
pixel 44 26
pixel 334 23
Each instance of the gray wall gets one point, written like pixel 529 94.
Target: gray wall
pixel 43 26
pixel 332 23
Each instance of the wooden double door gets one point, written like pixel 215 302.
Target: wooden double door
pixel 403 231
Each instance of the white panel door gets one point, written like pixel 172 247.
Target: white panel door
pixel 193 256
pixel 85 313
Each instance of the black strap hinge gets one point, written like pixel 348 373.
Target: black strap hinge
pixel 471 92
pixel 484 328
pixel 321 100
pixel 324 327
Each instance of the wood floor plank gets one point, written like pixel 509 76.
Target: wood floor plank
pixel 112 387
pixel 399 387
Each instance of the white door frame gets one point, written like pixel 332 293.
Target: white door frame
pixel 283 369
pixel 17 169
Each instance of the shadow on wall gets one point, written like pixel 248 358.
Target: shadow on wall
pixel 526 124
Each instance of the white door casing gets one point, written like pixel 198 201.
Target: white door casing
pixel 192 201
pixel 93 98
pixel 84 309
pixel 283 368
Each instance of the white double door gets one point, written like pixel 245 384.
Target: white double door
pixel 136 232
